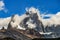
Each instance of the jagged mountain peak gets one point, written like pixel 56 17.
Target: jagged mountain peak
pixel 31 19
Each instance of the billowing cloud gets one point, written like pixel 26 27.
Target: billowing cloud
pixel 47 15
pixel 56 19
pixel 53 20
pixel 2 6
pixel 4 22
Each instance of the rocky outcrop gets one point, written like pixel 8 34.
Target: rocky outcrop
pixel 14 34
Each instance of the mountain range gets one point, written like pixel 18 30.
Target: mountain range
pixel 31 24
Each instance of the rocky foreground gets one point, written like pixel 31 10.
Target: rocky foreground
pixel 15 34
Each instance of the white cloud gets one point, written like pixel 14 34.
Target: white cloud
pixel 4 22
pixel 47 15
pixel 2 6
pixel 54 19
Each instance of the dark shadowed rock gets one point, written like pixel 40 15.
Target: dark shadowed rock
pixel 14 34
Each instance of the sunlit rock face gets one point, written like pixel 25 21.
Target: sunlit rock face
pixel 15 20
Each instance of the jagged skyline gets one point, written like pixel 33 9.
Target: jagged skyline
pixel 17 18
pixel 30 17
pixel 17 7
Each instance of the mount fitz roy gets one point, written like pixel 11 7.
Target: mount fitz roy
pixel 31 23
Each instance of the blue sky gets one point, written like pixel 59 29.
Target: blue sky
pixel 18 6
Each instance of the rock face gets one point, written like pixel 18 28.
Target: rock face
pixel 32 22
